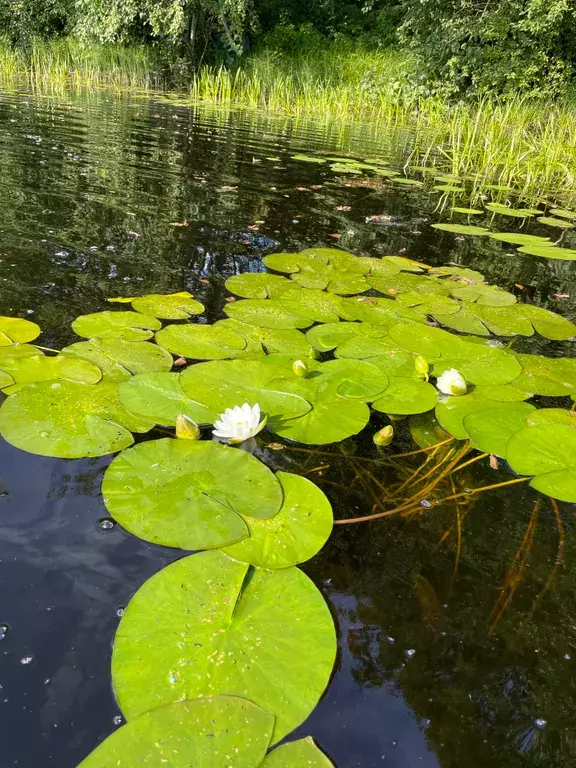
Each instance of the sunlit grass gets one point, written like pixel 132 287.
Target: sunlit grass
pixel 527 145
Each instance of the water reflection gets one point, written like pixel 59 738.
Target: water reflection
pixel 108 195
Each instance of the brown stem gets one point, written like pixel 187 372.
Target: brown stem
pixel 421 450
pixel 559 557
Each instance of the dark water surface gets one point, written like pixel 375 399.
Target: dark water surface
pixel 106 195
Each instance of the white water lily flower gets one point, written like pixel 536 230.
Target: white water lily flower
pixel 451 383
pixel 239 423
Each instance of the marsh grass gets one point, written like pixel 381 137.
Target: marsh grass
pixel 529 145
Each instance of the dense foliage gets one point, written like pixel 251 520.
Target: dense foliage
pixel 465 47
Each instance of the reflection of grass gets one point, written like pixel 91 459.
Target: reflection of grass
pixel 527 145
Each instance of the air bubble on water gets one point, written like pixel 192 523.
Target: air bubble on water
pixel 410 652
pixel 391 640
pixel 3 631
pixel 425 503
pixel 173 677
pixel 106 524
pixel 117 719
pixel 26 659
pixel 394 743
pixel 120 612
pixel 540 723
pixel 468 490
pixel 567 656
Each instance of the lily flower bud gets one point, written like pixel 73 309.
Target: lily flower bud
pixel 186 428
pixel 384 436
pixel 300 368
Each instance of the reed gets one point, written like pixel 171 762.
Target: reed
pixel 528 145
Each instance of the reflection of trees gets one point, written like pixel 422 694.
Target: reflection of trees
pixel 481 691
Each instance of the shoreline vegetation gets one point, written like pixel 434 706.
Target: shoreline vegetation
pixel 522 142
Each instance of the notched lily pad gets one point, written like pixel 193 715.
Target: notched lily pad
pixel 171 306
pixel 188 494
pixel 211 732
pixel 549 453
pixel 260 285
pixel 118 359
pixel 265 313
pixel 69 420
pixel 201 342
pixel 160 398
pixel 294 535
pixel 215 631
pixel 130 326
pixel 406 396
pixel 462 229
pixel 14 330
pixel 491 428
pixel 297 754
pixel 28 370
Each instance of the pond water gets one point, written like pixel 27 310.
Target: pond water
pixel 112 194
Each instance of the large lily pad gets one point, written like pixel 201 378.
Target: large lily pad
pixel 130 326
pixel 268 340
pixel 201 342
pixel 490 295
pixel 223 384
pixel 543 417
pixel 553 377
pixel 259 285
pixel 452 411
pixel 211 732
pixel 118 359
pixel 69 420
pixel 549 452
pixel 462 229
pixel 502 320
pixel 27 370
pixel 491 428
pixel 265 313
pixel 201 627
pixel 171 306
pixel 188 494
pixel 297 754
pixel 318 306
pixel 406 396
pixel 332 417
pixel 14 330
pixel 160 398
pixel 295 534
pixel 377 311
pixel 332 335
pixel 549 324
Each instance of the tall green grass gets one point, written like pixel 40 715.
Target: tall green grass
pixel 67 63
pixel 529 145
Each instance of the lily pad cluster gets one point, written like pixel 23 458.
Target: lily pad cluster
pixel 319 343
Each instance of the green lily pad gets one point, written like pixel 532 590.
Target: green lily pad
pixel 408 283
pixel 504 210
pixel 265 313
pixel 462 229
pixel 463 272
pixel 27 370
pixel 12 353
pixel 448 188
pixel 171 306
pixel 488 295
pixel 358 379
pixel 563 213
pixel 201 342
pixel 211 732
pixel 160 398
pixel 378 311
pixel 223 384
pixel 553 222
pixel 378 267
pixel 345 168
pixel 549 252
pixel 553 377
pixel 297 754
pixel 217 631
pixel 406 396
pixel 518 238
pixel 332 417
pixel 294 535
pixel 69 420
pixel 453 410
pixel 118 359
pixel 468 211
pixel 308 159
pixel 463 321
pixel 129 326
pixel 318 306
pixel 502 320
pixel 490 428
pixel 405 264
pixel 545 416
pixel 429 304
pixel 407 182
pixel 188 494
pixel 282 262
pixel 549 324
pixel 260 285
pixel 14 330
pixel 549 453
pixel 331 335
pixel 268 340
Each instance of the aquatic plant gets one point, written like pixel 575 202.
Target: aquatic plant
pixel 240 619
